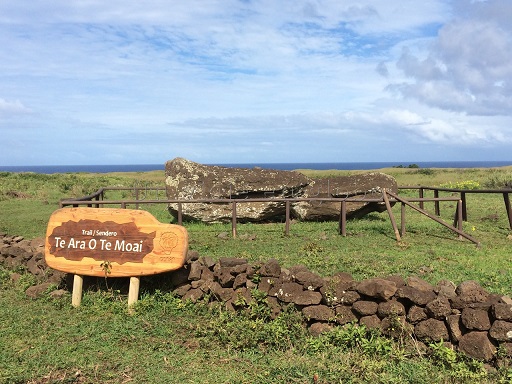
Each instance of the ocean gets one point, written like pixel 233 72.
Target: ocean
pixel 49 169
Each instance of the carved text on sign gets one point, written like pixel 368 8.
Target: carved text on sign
pixel 115 242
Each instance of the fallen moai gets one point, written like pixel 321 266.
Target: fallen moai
pixel 187 180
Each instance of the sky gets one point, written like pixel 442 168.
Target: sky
pixel 254 81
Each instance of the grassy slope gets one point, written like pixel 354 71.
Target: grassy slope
pixel 168 341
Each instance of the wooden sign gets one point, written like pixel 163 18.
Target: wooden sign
pixel 113 242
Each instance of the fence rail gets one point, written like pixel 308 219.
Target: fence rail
pixel 97 199
pixel 463 197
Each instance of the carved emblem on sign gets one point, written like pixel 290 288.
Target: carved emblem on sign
pixel 168 241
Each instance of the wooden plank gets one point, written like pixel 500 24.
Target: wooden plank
pixel 113 242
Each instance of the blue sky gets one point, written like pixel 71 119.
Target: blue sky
pixel 227 81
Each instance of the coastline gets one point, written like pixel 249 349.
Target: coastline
pixel 334 166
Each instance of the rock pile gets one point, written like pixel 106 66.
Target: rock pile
pixel 18 253
pixel 467 316
pixel 470 318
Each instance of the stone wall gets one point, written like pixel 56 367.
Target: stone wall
pixel 470 318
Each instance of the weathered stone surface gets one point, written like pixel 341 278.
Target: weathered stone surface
pixel 415 295
pixel 398 280
pixel 318 312
pixel 182 289
pixel 439 308
pixel 395 326
pixel 501 330
pixel 270 285
pixel 390 308
pixel 240 281
pixel 309 280
pixel 288 292
pixel 225 278
pixel 316 329
pixel 187 180
pixel 477 345
pixel 195 271
pixel 431 330
pixel 446 288
pixel 416 314
pixel 377 288
pixel 454 327
pixel 418 283
pixel 37 290
pixel 371 322
pixel 345 315
pixel 307 298
pixel 335 289
pixel 366 186
pixel 475 319
pixel 270 269
pixel 348 297
pixel 230 262
pixel 193 294
pixel 502 311
pixel 469 292
pixel 365 308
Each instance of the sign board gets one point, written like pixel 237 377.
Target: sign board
pixel 113 242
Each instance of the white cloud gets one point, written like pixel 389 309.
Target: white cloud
pixel 224 79
pixel 12 108
pixel 468 68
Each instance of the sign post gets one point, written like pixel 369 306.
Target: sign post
pixel 108 242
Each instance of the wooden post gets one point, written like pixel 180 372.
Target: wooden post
pixel 233 221
pixel 287 222
pixel 436 203
pixel 343 219
pixel 76 297
pixel 133 291
pixel 507 207
pixel 464 206
pixel 421 196
pixel 402 219
pixel 459 217
pixel 391 217
pixel 180 214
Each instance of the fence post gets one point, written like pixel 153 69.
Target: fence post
pixel 180 214
pixel 390 213
pixel 421 196
pixel 507 207
pixel 464 206
pixel 233 220
pixel 287 222
pixel 436 203
pixel 402 219
pixel 343 219
pixel 459 217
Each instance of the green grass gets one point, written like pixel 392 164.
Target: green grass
pixel 167 340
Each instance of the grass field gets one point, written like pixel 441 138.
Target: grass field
pixel 167 340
